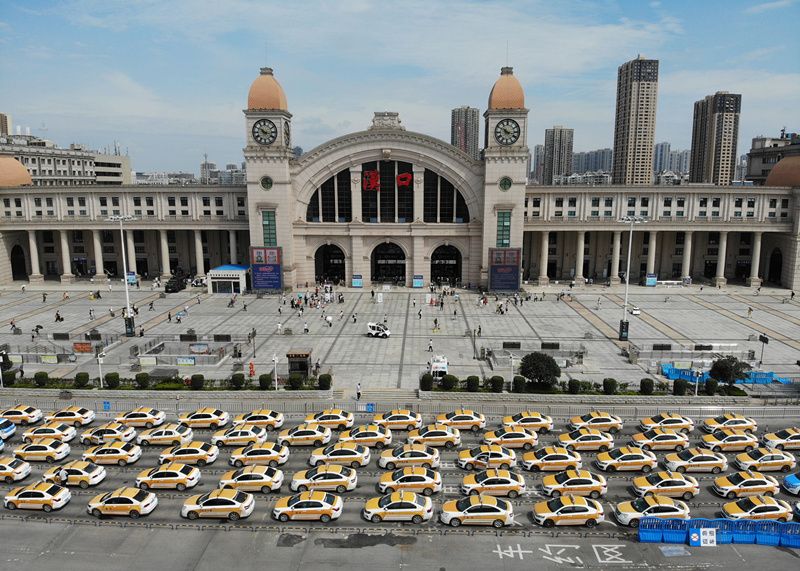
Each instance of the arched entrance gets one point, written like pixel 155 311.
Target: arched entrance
pixel 775 266
pixel 18 269
pixel 389 264
pixel 329 264
pixel 446 266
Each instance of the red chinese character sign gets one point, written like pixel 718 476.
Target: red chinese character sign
pixel 371 180
pixel 404 179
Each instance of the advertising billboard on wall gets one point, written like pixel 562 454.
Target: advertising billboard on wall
pixel 265 267
pixel 504 268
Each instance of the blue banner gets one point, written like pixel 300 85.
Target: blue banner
pixel 504 278
pixel 267 276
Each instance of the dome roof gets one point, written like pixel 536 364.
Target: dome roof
pixel 13 173
pixel 266 93
pixel 785 173
pixel 507 92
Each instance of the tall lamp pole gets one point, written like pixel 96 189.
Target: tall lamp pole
pixel 130 326
pixel 623 323
pixel 275 370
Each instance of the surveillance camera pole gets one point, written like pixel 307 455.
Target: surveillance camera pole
pixel 130 325
pixel 623 323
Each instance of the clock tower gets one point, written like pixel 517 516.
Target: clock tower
pixel 270 199
pixel 506 158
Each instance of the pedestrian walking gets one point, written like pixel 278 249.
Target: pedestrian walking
pixel 305 327
pixel 91 313
pixel 372 292
pixel 21 371
pixel 151 307
pixel 791 295
pixel 141 331
pixel 23 289
pixel 44 297
pixel 13 325
pixel 198 300
pixel 419 314
pixel 329 319
pixel 244 306
pixel 749 312
pixel 358 391
pixel 109 287
pixel 280 327
pixel 354 318
pixel 385 319
pixel 279 310
pixel 341 315
pixel 186 309
pixel 169 317
pixel 414 302
pixel 430 345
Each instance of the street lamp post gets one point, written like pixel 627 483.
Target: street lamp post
pixel 100 367
pixel 623 323
pixel 130 325
pixel 275 370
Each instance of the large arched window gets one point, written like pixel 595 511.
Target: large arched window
pixel 331 202
pixel 443 202
pixel 387 191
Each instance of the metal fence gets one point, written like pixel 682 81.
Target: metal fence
pixel 655 530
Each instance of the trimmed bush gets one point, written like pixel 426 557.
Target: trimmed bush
pixel 449 382
pixel 573 386
pixel 237 381
pixel 295 381
pixel 679 387
pixel 518 384
pixel 41 378
pixel 324 382
pixel 9 378
pixel 609 386
pixel 265 382
pixel 112 380
pixel 169 386
pixel 473 384
pixel 142 381
pixel 197 382
pixel 81 380
pixel 646 386
pixel 426 382
pixel 710 387
pixel 497 383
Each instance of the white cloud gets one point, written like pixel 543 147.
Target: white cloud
pixel 766 6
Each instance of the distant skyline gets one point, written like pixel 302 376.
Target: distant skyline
pixel 168 80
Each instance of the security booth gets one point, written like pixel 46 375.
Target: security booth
pixel 228 279
pixel 299 361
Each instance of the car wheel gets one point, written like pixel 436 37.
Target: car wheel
pixel 681 469
pixel 527 446
pixel 369 334
pixel 475 428
pixel 390 465
pixel 265 489
pixel 341 489
pixel 180 487
pixel 192 515
pixel 748 448
pixel 269 428
pixel 340 427
pixel 779 446
pixel 785 468
pixel 233 516
pixel 355 464
pixel 556 494
pixel 603 448
pixel 449 445
pixel 455 522
pixel 11 505
pixel 416 519
pixel 474 492
pixel 688 496
pixel 714 470
pixel 302 488
pixel 83 484
pixel 121 463
pixel 783 519
pixel 769 493
pixel 549 523
pixel 144 486
pixel 379 445
pixel 318 443
pixel 645 447
pixel 590 523
pixel 594 494
pixel 50 459
pixel 27 440
pixel 678 448
pixel 324 518
pixel 76 424
pixel 613 430
pixel 731 495
pixel 647 468
pixel 9 480
pixel 634 523
pixel 513 494
pixel 148 425
pixel 283 517
pixel 410 427
pixel 543 430
pixel 469 466
pixel 498 523
pixel 47 508
pixel 611 469
pixel 570 447
pixel 426 465
pixel 389 490
pixel 427 491
pixel 97 513
pixel 147 443
pixel 536 468
pixel 134 514
pixel 201 462
pixel 213 426
pixel 716 449
pixel 376 518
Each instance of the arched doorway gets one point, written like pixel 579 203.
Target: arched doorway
pixel 389 264
pixel 446 266
pixel 18 269
pixel 329 264
pixel 775 267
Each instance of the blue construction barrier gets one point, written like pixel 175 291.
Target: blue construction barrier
pixel 744 532
pixel 656 530
pixel 650 530
pixel 675 531
pixel 724 528
pixel 790 537
pixel 753 377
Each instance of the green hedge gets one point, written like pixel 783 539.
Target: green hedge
pixel 646 386
pixel 81 380
pixel 142 381
pixel 112 380
pixel 573 386
pixel 426 382
pixel 265 382
pixel 197 382
pixel 679 387
pixel 473 384
pixel 9 378
pixel 325 381
pixel 497 383
pixel 609 386
pixel 449 382
pixel 237 381
pixel 41 378
pixel 519 384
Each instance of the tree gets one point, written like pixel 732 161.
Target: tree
pixel 710 387
pixel 265 381
pixel 449 382
pixel 142 380
pixel 646 386
pixel 473 384
pixel 41 378
pixel 497 382
pixel 81 380
pixel 197 382
pixel 541 369
pixel 518 385
pixel 237 381
pixel 609 386
pixel 679 387
pixel 324 381
pixel 728 370
pixel 426 382
pixel 573 386
pixel 112 380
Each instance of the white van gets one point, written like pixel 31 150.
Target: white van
pixel 378 330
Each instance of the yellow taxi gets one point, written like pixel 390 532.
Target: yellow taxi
pixel 170 476
pixel 239 435
pixel 108 432
pixel 196 452
pixel 493 483
pixel 79 473
pixel 267 454
pixel 326 477
pixel 651 505
pixel 74 415
pixel 597 419
pixel 306 434
pixel 786 439
pixel 747 483
pixel 7 429
pixel 263 417
pixel 531 420
pixel 758 508
pixel 729 420
pixel 766 460
pixel 345 453
pixel 321 506
pixel 436 435
pixel 669 484
pixel 205 417
pixel 414 479
pixel 126 501
pixel 54 430
pixel 696 460
pixel 398 419
pixel 477 510
pixel 568 510
pixel 142 417
pixel 399 506
pixel 43 450
pixel 120 453
pixel 487 456
pixel 253 479
pixel 667 420
pixel 627 458
pixel 40 496
pixel 409 455
pixel 574 483
pixel 586 439
pixel 729 440
pixel 660 439
pixel 22 414
pixel 511 437
pixel 333 418
pixel 173 434
pixel 463 419
pixel 551 459
pixel 227 503
pixel 13 470
pixel 368 435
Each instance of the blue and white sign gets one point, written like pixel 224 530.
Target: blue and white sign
pixel 131 278
pixel 267 276
pixel 650 280
pixel 106 405
pixel 418 281
pixel 357 281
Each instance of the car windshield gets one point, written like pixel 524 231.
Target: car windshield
pixel 746 504
pixel 736 479
pixel 15 463
pixel 240 497
pixel 639 505
pixel 562 477
pixel 463 504
pixel 424 431
pixel 205 447
pixel 397 451
pixel 450 415
pixel 502 504
pixel 783 434
pixel 586 417
pixel 82 411
pixel 685 454
pixel 481 477
pixel 615 453
pixel 385 501
pixel 517 417
pixel 659 418
pixel 30 410
pixel 554 505
pixel 52 490
pixel 720 418
pixel 650 434
pixel 217 413
pixel 756 454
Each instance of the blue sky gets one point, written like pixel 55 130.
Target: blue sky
pixel 169 80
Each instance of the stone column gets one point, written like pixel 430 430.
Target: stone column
pixel 165 269
pixel 33 251
pixel 232 247
pixel 355 193
pixel 686 266
pixel 545 242
pixel 755 280
pixel 198 253
pixel 615 249
pixel 419 192
pixel 130 250
pixel 579 247
pixel 723 253
pixel 651 252
pixel 66 263
pixel 97 244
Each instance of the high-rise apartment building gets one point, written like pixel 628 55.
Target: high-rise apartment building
pixel 679 161
pixel 464 129
pixel 557 152
pixel 5 124
pixel 715 130
pixel 599 160
pixel 661 157
pixel 538 164
pixel 635 122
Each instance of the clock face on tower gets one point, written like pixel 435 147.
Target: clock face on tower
pixel 265 132
pixel 507 132
pixel 286 134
